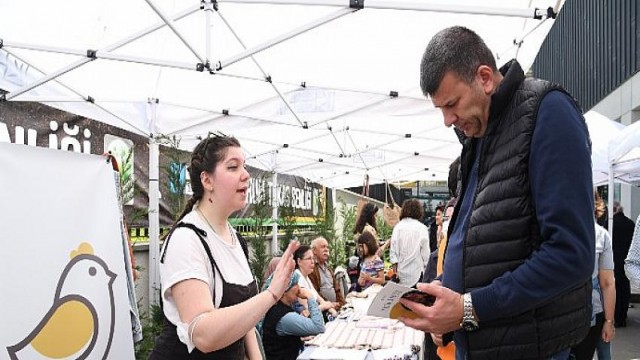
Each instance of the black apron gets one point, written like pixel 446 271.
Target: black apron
pixel 169 347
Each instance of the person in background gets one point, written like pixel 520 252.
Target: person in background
pixel 432 225
pixel 211 303
pixel 410 244
pixel 435 265
pixel 366 222
pixel 603 297
pixel 322 278
pixel 517 267
pixel 305 265
pixel 440 230
pixel 371 266
pixel 282 327
pixel 271 267
pixel 622 234
pixel 632 263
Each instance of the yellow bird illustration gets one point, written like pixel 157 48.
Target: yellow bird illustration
pixel 80 322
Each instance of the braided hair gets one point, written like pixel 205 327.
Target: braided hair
pixel 205 157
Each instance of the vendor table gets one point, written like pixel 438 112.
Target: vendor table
pixel 356 336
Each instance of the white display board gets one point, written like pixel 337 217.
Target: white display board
pixel 62 270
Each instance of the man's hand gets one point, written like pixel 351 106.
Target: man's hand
pixel 305 293
pixel 444 316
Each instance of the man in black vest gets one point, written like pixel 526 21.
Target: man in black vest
pixel 622 234
pixel 517 268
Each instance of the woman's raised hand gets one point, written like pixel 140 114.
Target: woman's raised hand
pixel 282 274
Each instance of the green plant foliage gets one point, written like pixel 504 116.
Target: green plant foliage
pixel 287 222
pixel 258 231
pixel 175 170
pixel 129 189
pixel 384 234
pixel 151 328
pixel 384 231
pixel 127 181
pixel 325 227
pixel 342 251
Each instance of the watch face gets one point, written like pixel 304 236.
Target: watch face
pixel 470 325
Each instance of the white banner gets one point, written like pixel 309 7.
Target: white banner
pixel 62 272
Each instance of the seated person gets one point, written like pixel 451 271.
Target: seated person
pixel 283 327
pixel 322 277
pixel 303 257
pixel 273 263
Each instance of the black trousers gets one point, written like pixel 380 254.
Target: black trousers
pixel 587 347
pixel 623 294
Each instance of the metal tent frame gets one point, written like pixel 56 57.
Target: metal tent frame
pixel 272 154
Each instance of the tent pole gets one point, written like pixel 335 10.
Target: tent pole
pixel 283 37
pixel 173 28
pixel 111 47
pixel 208 10
pixel 610 199
pixel 104 55
pixel 154 208
pixel 405 5
pixel 352 110
pixel 274 224
pixel 154 222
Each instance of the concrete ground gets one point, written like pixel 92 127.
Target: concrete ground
pixel 626 344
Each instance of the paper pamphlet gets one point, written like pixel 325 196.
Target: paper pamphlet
pixel 387 302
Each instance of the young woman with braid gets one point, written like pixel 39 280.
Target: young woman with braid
pixel 210 299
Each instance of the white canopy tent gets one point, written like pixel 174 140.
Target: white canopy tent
pixel 323 89
pixel 615 153
pixel 602 131
pixel 624 160
pixel 625 154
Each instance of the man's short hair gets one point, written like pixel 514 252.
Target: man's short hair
pixel 314 242
pixel 455 49
pixel 617 207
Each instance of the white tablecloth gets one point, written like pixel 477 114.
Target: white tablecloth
pixel 356 336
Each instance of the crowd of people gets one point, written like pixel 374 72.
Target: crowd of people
pixel 516 273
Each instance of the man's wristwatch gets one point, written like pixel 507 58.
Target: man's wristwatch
pixel 469 322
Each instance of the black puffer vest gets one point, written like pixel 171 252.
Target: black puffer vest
pixel 278 347
pixel 503 197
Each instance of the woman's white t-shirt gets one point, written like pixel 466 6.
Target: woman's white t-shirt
pixel 304 282
pixel 186 258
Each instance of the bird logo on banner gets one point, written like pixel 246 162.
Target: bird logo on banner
pixel 76 326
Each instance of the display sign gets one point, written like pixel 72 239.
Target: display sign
pixel 62 268
pixel 39 125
